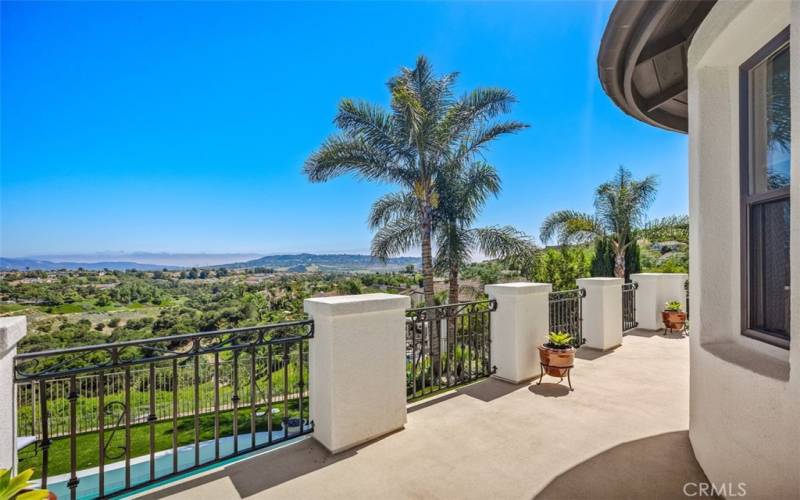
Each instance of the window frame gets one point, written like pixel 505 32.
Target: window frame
pixel 747 200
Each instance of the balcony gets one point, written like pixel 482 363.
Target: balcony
pixel 317 406
pixel 622 433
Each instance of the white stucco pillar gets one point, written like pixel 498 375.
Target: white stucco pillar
pixel 520 324
pixel 357 381
pixel 602 312
pixel 655 290
pixel 11 332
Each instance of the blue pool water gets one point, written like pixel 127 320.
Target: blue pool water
pixel 140 466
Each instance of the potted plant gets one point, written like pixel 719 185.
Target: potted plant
pixel 557 355
pixel 673 316
pixel 16 487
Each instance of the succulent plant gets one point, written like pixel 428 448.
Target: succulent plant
pixel 559 340
pixel 13 486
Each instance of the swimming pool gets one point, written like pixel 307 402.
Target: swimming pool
pixel 140 466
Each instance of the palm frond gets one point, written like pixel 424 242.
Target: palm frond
pixel 488 102
pixel 408 111
pixel 395 237
pixel 340 155
pixel 419 101
pixel 569 226
pixel 454 246
pixel 478 140
pixel 392 206
pixel 475 108
pixel 369 122
pixel 435 94
pixel 504 242
pixel 478 182
pixel 674 227
pixel 641 198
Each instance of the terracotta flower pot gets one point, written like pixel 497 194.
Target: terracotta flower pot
pixel 673 320
pixel 555 358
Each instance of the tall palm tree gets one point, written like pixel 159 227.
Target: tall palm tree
pixel 620 217
pixel 408 145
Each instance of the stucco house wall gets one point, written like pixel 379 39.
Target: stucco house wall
pixel 745 394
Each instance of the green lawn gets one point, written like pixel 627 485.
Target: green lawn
pixel 7 308
pixel 88 450
pixel 75 307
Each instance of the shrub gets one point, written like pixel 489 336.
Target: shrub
pixel 561 267
pixel 603 261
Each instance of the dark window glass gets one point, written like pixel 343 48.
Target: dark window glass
pixel 766 178
pixel 769 266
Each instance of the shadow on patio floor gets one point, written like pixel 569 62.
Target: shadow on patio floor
pixel 550 390
pixel 655 467
pixel 589 354
pixel 655 333
pixel 486 390
pixel 490 389
pixel 262 472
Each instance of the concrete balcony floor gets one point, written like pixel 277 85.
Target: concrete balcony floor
pixel 621 434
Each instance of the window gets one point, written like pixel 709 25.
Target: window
pixel 765 177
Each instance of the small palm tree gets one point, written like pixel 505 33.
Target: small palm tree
pixel 463 193
pixel 620 217
pixel 408 146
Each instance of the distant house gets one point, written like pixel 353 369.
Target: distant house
pixel 721 72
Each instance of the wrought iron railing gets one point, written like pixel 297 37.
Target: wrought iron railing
pixel 686 287
pixel 629 306
pixel 566 313
pixel 29 421
pixel 446 346
pixel 257 378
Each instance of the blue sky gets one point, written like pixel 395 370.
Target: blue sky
pixel 183 127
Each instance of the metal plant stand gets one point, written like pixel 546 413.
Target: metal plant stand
pixel 543 367
pixel 684 330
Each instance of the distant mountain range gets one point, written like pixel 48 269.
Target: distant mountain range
pixel 288 262
pixel 10 264
pixel 155 258
pixel 326 262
